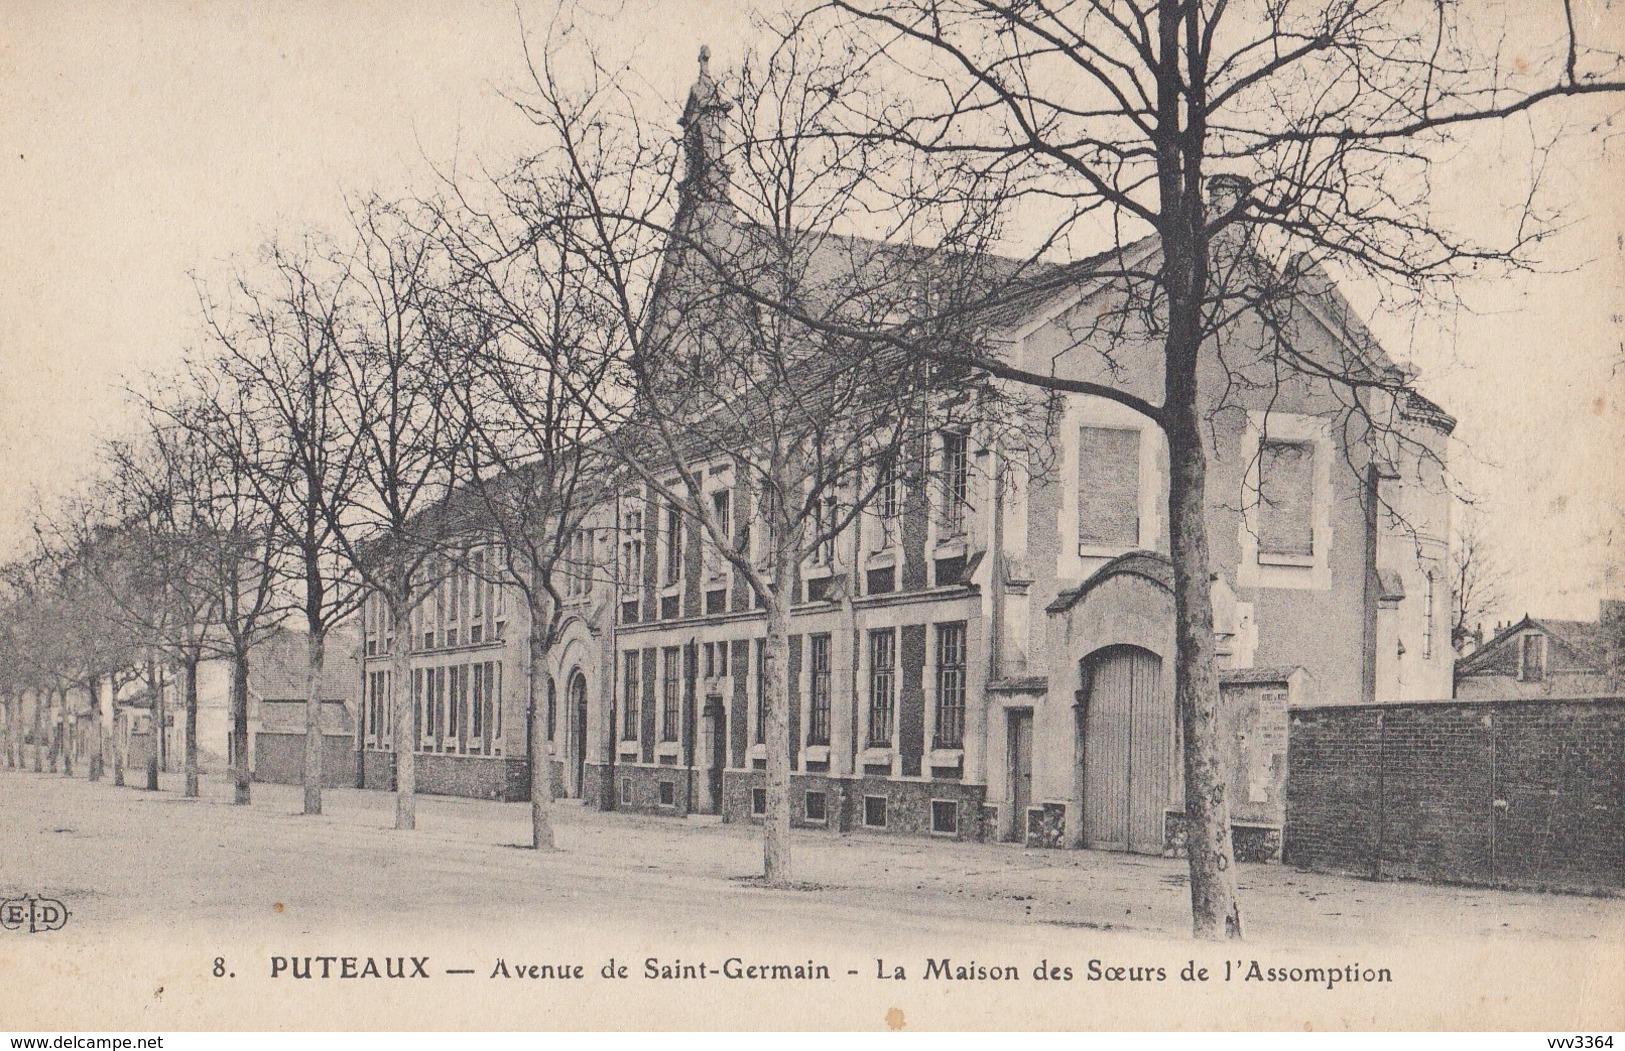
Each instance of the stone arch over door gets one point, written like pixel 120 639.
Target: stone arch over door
pixel 575 664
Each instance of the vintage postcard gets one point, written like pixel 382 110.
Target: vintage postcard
pixel 862 515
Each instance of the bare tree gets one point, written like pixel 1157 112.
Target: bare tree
pixel 1108 118
pixel 1475 582
pixel 398 406
pixel 528 387
pixel 151 530
pixel 275 354
pixel 239 550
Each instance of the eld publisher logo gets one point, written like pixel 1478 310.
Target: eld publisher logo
pixel 33 914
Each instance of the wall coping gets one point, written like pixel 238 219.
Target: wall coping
pixel 1609 699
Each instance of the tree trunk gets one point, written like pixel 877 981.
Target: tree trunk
pixel 96 729
pixel 315 657
pixel 65 735
pixel 404 705
pixel 160 719
pixel 39 732
pixel 1214 910
pixel 239 725
pixel 154 760
pixel 541 744
pixel 56 728
pixel 11 712
pixel 189 745
pixel 776 868
pixel 118 741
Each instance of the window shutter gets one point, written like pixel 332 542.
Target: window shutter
pixel 1108 487
pixel 1286 487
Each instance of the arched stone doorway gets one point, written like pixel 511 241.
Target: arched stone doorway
pixel 1128 750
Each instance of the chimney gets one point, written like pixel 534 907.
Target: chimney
pixel 1225 192
pixel 705 176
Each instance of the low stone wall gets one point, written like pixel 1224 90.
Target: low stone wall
pixel 279 759
pixel 851 803
pixel 502 778
pixel 1525 793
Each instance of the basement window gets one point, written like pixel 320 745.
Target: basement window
pixel 758 802
pixel 816 806
pixel 874 811
pixel 668 793
pixel 945 817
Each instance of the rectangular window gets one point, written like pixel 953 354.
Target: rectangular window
pixel 420 712
pixel 482 590
pixel 882 685
pixel 493 691
pixel 815 806
pixel 631 684
pixel 882 581
pixel 1108 487
pixel 671 686
pixel 758 802
pixel 454 704
pixel 1532 666
pixel 823 526
pixel 476 707
pixel 1286 487
pixel 579 570
pixel 888 503
pixel 668 793
pixel 716 601
pixel 631 549
pixel 950 731
pixel 674 544
pixel 874 811
pixel 761 691
pixel 954 480
pixel 818 711
pixel 722 510
pixel 944 817
pixel 440 704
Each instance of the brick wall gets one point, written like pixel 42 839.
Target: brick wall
pixel 1522 793
pixel 279 759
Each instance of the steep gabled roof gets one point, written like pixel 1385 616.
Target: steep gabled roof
pixel 1584 642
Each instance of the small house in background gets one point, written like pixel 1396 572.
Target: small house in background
pixel 276 690
pixel 1544 657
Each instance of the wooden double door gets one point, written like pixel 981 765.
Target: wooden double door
pixel 1128 750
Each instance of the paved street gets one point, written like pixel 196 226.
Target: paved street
pixel 121 853
pixel 179 910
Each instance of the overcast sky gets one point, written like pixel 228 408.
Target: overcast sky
pixel 146 141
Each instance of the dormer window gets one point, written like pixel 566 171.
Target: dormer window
pixel 1532 658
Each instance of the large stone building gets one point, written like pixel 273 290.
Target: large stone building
pixel 987 652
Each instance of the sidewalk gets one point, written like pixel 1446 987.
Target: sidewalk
pixel 136 854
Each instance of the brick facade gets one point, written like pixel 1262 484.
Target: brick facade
pixel 1511 793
